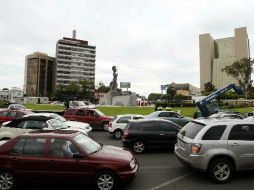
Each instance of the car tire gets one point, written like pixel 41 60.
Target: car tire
pixel 139 147
pixel 118 134
pixel 221 170
pixel 105 126
pixel 7 180
pixel 105 180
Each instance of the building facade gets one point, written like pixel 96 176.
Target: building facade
pixel 11 94
pixel 40 74
pixel 185 89
pixel 219 53
pixel 75 60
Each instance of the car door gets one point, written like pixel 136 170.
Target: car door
pixel 13 129
pixel 3 116
pixel 150 132
pixel 122 122
pixel 241 145
pixel 168 133
pixel 93 119
pixel 80 115
pixel 62 164
pixel 27 158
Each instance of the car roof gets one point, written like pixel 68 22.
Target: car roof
pixel 51 133
pixel 126 115
pixel 40 114
pixel 38 118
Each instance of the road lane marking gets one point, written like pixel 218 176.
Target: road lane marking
pixel 158 167
pixel 171 181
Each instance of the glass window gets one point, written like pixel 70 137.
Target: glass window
pixel 136 118
pixel 22 125
pixel 165 126
pixel 164 114
pixel 62 148
pixel 81 113
pixel 242 132
pixel 123 120
pixel 87 144
pixel 214 133
pixel 30 146
pixel 149 126
pixel 31 124
pixel 11 114
pixel 69 112
pixel 191 129
pixel 18 147
pixel 3 113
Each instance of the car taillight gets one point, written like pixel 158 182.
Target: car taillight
pixel 195 148
pixel 110 124
pixel 126 134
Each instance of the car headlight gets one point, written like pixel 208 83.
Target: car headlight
pixel 132 164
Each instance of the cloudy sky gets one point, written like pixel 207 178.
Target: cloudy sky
pixel 152 42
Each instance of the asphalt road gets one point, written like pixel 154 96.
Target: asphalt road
pixel 159 170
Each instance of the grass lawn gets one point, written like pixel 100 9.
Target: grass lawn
pixel 112 111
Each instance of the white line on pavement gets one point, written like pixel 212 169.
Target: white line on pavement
pixel 171 181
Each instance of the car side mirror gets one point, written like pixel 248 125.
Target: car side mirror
pixel 78 156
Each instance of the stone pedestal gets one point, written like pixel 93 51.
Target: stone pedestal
pixel 115 99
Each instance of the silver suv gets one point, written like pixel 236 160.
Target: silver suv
pixel 220 148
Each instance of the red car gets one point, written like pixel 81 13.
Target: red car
pixel 9 115
pixel 64 156
pixel 94 117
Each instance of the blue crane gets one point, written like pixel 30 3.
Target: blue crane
pixel 209 105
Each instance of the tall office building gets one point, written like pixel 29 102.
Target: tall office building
pixel 75 60
pixel 219 53
pixel 40 71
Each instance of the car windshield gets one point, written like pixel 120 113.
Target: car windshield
pixel 87 144
pixel 191 129
pixel 55 116
pixel 57 124
pixel 99 113
pixel 154 114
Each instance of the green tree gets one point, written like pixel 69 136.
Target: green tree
pixel 154 96
pixel 102 88
pixel 241 71
pixel 87 89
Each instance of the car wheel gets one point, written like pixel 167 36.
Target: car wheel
pixel 221 170
pixel 105 126
pixel 139 147
pixel 7 180
pixel 105 180
pixel 118 134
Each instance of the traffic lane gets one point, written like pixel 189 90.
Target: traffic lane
pixel 200 180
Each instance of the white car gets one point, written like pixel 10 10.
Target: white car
pixel 119 124
pixel 81 104
pixel 250 118
pixel 72 124
pixel 26 124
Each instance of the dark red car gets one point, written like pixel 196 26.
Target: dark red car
pixel 9 115
pixel 62 156
pixel 94 117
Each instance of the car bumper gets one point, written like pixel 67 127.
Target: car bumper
pixel 129 175
pixel 195 161
pixel 127 143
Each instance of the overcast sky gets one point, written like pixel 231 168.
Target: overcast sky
pixel 152 42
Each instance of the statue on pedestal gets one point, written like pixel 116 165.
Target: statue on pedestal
pixel 113 83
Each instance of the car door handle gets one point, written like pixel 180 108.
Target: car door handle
pixel 234 144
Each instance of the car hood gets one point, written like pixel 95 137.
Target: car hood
pixel 113 153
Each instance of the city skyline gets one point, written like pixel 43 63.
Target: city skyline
pixel 151 42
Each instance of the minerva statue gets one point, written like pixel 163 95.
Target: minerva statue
pixel 113 83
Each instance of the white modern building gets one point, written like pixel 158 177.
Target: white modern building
pixel 75 60
pixel 11 94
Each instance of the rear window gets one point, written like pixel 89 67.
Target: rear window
pixel 69 112
pixel 191 129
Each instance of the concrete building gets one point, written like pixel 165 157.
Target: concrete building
pixel 216 54
pixel 11 94
pixel 185 89
pixel 40 74
pixel 75 60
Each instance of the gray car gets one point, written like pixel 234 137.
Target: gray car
pixel 220 148
pixel 171 116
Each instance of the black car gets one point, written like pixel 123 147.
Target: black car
pixel 150 133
